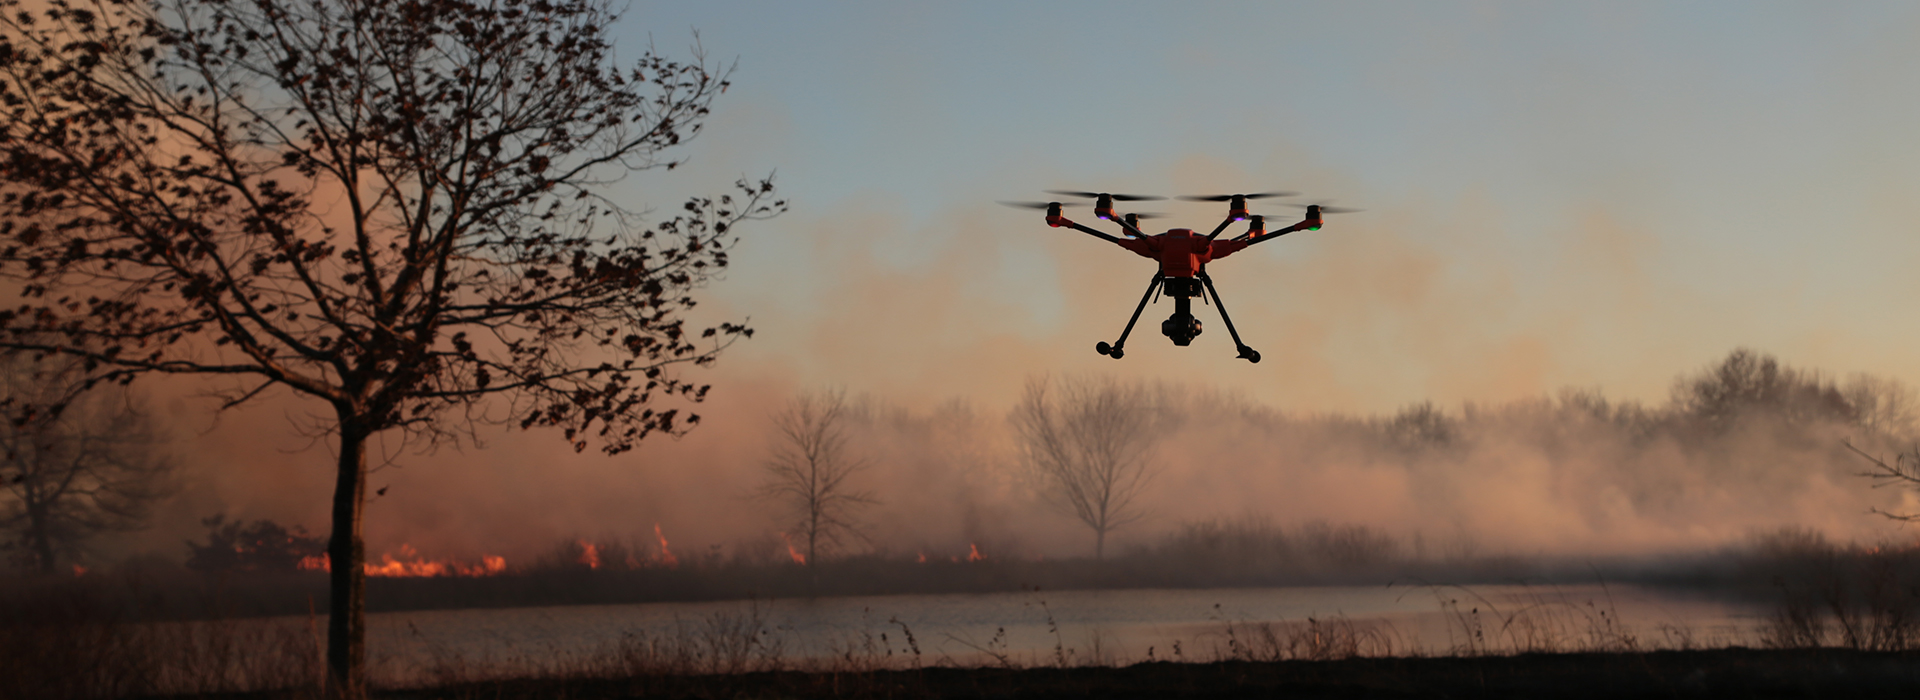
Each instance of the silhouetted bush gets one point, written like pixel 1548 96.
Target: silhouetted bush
pixel 1827 594
pixel 262 546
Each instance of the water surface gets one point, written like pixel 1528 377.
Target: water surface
pixel 1073 627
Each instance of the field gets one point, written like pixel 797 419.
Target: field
pixel 1843 623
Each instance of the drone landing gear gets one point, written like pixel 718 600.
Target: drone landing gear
pixel 1117 349
pixel 1246 353
pixel 1181 327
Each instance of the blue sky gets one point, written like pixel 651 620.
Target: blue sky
pixel 1591 194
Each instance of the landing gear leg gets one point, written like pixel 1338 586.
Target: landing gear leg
pixel 1246 353
pixel 1117 349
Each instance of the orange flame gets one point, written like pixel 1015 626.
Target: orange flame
pixel 79 571
pixel 798 558
pixel 666 553
pixel 923 557
pixel 411 565
pixel 973 553
pixel 589 554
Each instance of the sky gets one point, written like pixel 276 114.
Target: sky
pixel 1556 194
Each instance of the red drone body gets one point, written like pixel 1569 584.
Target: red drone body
pixel 1183 256
pixel 1181 252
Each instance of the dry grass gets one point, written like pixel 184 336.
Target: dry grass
pixel 1544 621
pixel 68 644
pixel 1312 640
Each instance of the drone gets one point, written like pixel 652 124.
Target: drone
pixel 1183 256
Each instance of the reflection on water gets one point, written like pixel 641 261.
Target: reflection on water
pixel 1074 627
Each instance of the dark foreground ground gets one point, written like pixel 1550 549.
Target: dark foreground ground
pixel 1725 673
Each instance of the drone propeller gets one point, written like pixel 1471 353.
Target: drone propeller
pixel 1230 197
pixel 1324 209
pixel 1114 197
pixel 1031 205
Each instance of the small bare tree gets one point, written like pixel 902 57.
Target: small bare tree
pixel 1086 446
pixel 809 471
pixel 69 476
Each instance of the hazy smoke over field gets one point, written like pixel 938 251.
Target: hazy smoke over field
pixel 933 325
pixel 1737 449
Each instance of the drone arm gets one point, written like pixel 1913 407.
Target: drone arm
pixel 1222 227
pixel 1305 225
pixel 1059 221
pixel 1271 235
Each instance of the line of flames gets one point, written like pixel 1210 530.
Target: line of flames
pixel 411 565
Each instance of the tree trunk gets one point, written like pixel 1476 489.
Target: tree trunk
pixel 813 537
pixel 346 554
pixel 42 537
pixel 1099 544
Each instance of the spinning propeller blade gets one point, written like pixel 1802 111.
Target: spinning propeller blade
pixel 1031 205
pixel 1324 209
pixel 1229 197
pixel 1114 197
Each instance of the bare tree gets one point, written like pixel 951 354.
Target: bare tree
pixel 809 470
pixel 1904 471
pixel 1086 445
pixel 393 207
pixel 1886 410
pixel 68 477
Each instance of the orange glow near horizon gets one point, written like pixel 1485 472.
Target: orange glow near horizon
pixel 589 554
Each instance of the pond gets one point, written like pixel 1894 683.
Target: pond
pixel 1032 628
